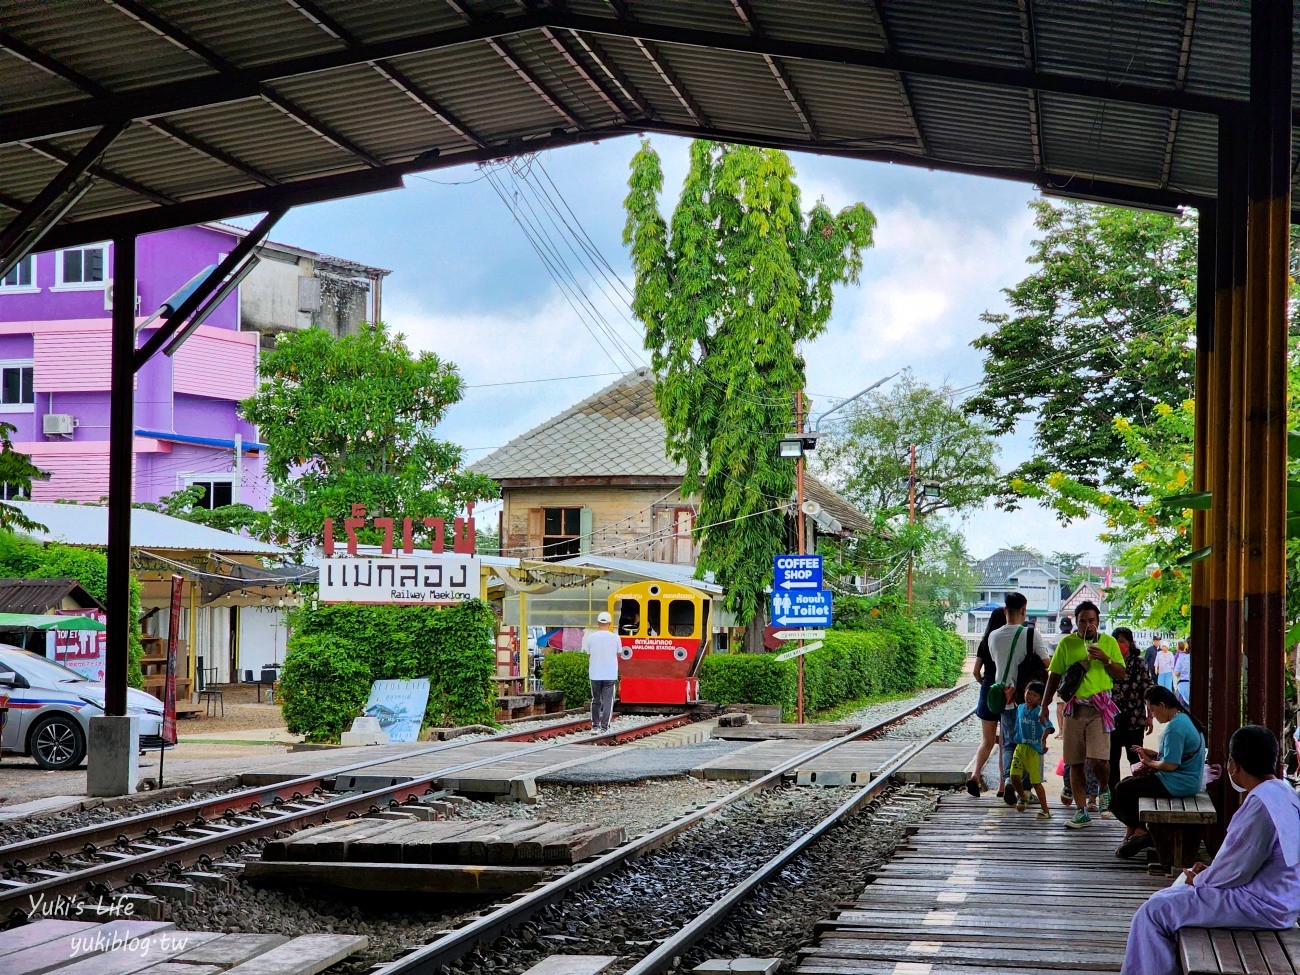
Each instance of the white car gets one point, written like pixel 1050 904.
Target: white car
pixel 50 708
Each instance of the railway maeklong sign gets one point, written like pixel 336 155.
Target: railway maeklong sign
pixel 420 580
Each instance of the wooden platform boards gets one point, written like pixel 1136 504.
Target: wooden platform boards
pixel 130 947
pixel 942 763
pixel 982 889
pixel 850 764
pixel 509 841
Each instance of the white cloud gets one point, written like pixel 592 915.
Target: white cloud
pixel 990 528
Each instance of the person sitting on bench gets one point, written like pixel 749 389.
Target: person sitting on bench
pixel 1254 881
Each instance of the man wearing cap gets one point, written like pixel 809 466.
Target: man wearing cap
pixel 602 647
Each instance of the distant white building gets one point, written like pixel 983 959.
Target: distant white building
pixel 1010 570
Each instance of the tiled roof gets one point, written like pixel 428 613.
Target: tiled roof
pixel 616 432
pixel 1002 565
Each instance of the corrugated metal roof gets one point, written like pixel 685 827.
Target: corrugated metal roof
pixel 289 92
pixel 42 595
pixel 87 524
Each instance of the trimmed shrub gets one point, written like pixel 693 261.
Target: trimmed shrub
pixel 748 678
pixel 567 672
pixel 337 650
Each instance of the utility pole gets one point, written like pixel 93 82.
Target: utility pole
pixel 799 520
pixel 911 519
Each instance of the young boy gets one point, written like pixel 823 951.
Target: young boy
pixel 1031 744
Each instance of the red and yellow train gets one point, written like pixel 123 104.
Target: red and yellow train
pixel 665 630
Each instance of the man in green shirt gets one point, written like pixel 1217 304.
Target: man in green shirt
pixel 1085 733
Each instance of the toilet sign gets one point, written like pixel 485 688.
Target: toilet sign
pixel 792 573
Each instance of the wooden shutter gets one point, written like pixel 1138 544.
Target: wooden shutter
pixel 536 524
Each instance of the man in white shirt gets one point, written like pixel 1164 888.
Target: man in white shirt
pixel 602 647
pixel 1008 646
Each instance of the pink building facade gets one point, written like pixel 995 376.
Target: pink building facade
pixel 54 376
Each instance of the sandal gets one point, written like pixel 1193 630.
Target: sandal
pixel 1043 814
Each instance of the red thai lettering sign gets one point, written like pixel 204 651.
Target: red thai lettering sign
pixel 173 637
pixel 463 538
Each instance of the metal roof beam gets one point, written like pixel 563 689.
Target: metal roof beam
pixel 399 79
pixel 615 75
pixel 153 101
pixel 51 151
pixel 657 61
pixel 169 31
pixel 33 220
pixel 58 69
pixel 563 42
pixel 1180 82
pixel 1029 42
pixel 750 19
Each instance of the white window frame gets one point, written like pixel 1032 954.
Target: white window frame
pixel 10 492
pixel 59 284
pixel 189 480
pixel 22 289
pixel 19 407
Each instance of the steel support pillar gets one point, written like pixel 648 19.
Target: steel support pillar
pixel 121 420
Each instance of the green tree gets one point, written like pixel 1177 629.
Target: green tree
pixel 17 472
pixel 350 421
pixel 867 454
pixel 727 290
pixel 1100 330
pixel 184 503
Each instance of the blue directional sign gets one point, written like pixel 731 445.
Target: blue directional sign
pixel 796 573
pixel 801 609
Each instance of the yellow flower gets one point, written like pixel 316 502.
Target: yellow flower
pixel 1122 425
pixel 1189 405
pixel 1104 499
pixel 1181 479
pixel 1186 610
pixel 1187 512
pixel 1140 465
pixel 1055 480
pixel 1163 409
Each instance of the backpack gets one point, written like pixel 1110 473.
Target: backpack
pixel 1031 669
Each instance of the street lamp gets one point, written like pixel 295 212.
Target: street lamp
pixel 796 445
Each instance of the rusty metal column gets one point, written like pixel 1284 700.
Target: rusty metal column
pixel 1261 479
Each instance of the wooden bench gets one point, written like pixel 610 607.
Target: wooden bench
pixel 1214 951
pixel 1176 826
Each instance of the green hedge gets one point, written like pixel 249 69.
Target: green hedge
pixel 567 672
pixel 896 654
pixel 336 651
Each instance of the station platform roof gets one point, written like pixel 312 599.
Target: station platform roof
pixel 195 112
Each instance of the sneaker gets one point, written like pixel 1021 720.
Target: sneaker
pixel 1009 796
pixel 1092 804
pixel 1103 801
pixel 1067 797
pixel 973 788
pixel 1043 814
pixel 1020 807
pixel 1080 820
pixel 1133 846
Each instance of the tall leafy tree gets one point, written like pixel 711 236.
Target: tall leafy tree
pixel 350 421
pixel 1100 330
pixel 17 471
pixel 727 290
pixel 868 452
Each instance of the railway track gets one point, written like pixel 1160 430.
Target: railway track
pixel 95 859
pixel 455 945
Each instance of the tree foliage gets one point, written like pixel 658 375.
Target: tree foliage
pixel 727 289
pixel 184 504
pixel 1099 331
pixel 867 454
pixel 17 471
pixel 350 420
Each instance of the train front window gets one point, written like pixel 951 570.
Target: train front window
pixel 629 617
pixel 654 617
pixel 681 617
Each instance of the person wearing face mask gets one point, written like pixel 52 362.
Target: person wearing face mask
pixel 1254 881
pixel 1175 772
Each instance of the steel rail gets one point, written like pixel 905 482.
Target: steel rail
pixel 224 806
pixel 456 944
pixel 129 868
pixel 664 957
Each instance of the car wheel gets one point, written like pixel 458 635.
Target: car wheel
pixel 57 743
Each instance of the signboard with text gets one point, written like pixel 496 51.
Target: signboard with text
pixel 418 580
pixel 399 706
pixel 85 651
pixel 798 609
pixel 796 573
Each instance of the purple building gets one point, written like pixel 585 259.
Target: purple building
pixel 54 361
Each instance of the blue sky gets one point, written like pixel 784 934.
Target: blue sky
pixel 467 285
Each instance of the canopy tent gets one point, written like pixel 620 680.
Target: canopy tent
pixel 39 621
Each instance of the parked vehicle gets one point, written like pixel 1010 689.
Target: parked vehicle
pixel 665 632
pixel 50 708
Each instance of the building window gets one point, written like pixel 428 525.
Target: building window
pixel 11 492
pixel 17 394
pixel 80 268
pixel 22 276
pixel 561 533
pixel 217 492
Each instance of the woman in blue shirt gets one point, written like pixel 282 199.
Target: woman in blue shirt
pixel 1176 771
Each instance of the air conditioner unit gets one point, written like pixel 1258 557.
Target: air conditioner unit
pixel 58 424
